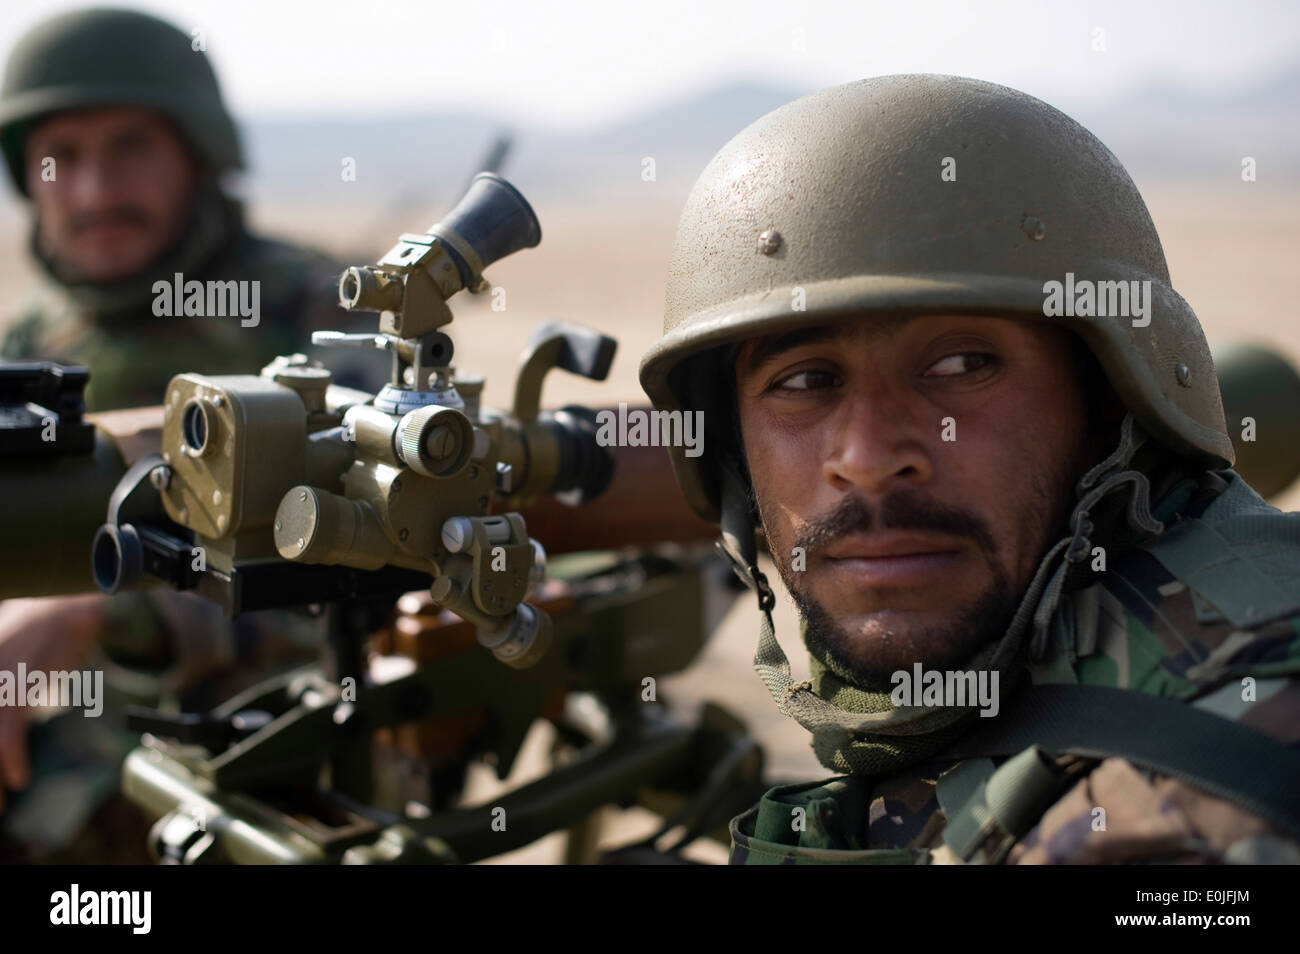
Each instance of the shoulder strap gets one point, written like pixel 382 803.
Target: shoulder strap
pixel 1222 757
pixel 1222 556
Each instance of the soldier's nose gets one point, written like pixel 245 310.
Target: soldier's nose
pixel 874 445
pixel 94 186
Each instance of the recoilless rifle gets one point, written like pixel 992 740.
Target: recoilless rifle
pixel 283 489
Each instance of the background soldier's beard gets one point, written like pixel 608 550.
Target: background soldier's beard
pixel 117 215
pixel 64 261
pixel 869 663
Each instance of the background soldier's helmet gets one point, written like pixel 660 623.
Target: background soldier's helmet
pixel 916 194
pixel 114 58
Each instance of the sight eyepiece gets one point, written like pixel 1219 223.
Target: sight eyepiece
pixel 492 220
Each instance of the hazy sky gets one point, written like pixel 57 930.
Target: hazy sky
pixel 582 63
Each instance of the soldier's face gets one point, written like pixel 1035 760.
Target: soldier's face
pixel 910 473
pixel 113 189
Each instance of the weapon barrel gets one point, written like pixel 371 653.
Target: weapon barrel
pixel 50 508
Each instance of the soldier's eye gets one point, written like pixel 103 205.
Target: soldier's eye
pixel 809 380
pixel 132 143
pixel 957 364
pixel 61 154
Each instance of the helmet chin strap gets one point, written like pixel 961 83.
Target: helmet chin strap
pixel 880 736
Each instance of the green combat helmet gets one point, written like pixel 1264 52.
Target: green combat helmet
pixel 921 194
pixel 841 196
pixel 1261 397
pixel 120 58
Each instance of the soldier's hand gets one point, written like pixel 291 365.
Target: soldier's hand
pixel 48 634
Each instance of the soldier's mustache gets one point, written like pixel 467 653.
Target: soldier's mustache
pixel 901 510
pixel 118 215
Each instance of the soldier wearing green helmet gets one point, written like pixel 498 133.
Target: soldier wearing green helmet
pixel 944 372
pixel 113 127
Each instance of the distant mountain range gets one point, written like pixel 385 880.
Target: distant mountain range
pixel 1158 131
pixel 425 160
pixel 422 161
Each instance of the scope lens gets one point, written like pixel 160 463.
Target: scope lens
pixel 194 426
pixel 349 287
pixel 106 561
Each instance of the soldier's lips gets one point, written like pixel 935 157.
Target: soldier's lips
pixel 892 560
pixel 110 231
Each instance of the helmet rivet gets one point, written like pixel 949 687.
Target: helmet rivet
pixel 1033 226
pixel 1184 374
pixel 769 241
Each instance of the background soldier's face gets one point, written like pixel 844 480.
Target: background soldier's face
pixel 121 190
pixel 923 465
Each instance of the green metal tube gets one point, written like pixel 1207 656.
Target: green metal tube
pixel 50 508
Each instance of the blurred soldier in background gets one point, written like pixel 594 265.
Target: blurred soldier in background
pixel 113 126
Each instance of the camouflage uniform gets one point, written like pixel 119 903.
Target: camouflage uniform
pixel 940 195
pixel 1137 627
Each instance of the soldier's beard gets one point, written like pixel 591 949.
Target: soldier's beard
pixel 952 645
pixel 869 661
pixel 209 225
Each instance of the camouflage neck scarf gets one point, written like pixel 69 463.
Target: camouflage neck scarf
pixel 858 730
pixel 213 225
pixel 881 751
